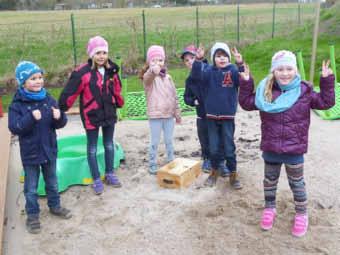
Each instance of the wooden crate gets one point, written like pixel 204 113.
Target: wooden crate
pixel 179 173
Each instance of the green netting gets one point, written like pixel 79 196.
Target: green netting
pixel 136 105
pixel 72 166
pixel 334 112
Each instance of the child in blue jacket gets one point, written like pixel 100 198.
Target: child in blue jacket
pixel 34 116
pixel 221 82
pixel 193 96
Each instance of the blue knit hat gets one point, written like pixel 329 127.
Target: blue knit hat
pixel 24 70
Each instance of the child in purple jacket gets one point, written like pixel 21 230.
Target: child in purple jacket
pixel 284 102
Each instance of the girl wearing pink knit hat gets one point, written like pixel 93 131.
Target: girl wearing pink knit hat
pixel 162 104
pixel 98 84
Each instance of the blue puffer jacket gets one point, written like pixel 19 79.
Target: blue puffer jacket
pixel 37 138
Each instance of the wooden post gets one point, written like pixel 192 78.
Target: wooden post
pixel 5 143
pixel 315 42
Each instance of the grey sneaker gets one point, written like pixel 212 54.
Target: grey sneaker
pixel 33 225
pixel 61 212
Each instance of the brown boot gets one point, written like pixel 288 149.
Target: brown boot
pixel 212 179
pixel 234 182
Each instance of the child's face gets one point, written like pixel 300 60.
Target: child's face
pixel 157 61
pixel 188 60
pixel 221 59
pixel 100 58
pixel 34 83
pixel 284 74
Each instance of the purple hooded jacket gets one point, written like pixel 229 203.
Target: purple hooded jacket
pixel 287 132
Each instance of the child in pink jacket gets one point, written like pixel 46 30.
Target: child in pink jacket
pixel 162 104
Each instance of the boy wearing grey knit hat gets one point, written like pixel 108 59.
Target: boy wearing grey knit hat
pixel 220 101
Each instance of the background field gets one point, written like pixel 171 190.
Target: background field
pixel 46 37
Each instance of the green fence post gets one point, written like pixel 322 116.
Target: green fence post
pixel 332 58
pixel 122 113
pixel 144 34
pixel 299 14
pixel 224 25
pixel 74 40
pixel 301 66
pixel 197 28
pixel 273 25
pixel 238 22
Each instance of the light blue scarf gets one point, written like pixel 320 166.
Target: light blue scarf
pixel 290 94
pixel 35 96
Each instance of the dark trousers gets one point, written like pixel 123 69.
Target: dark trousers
pixel 92 140
pixel 32 173
pixel 203 137
pixel 222 132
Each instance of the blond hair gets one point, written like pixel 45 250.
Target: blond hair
pixel 268 91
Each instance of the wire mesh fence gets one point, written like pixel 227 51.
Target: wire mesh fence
pixel 51 40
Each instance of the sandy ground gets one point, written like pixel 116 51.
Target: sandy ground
pixel 145 219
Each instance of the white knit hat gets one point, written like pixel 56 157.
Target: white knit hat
pixel 219 46
pixel 283 58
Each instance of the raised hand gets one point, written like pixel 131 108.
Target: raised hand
pixel 200 52
pixel 36 114
pixel 237 55
pixel 56 113
pixel 155 69
pixel 326 71
pixel 246 74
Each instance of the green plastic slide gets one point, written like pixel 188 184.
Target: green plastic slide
pixel 334 112
pixel 72 166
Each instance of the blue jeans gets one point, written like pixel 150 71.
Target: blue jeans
pixel 222 131
pixel 156 127
pixel 92 140
pixel 32 173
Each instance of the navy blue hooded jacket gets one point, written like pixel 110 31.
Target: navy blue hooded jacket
pixel 220 89
pixel 37 138
pixel 195 91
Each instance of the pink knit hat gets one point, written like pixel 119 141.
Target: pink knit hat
pixel 96 44
pixel 155 51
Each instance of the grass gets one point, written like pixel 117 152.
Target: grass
pixel 256 46
pixel 46 37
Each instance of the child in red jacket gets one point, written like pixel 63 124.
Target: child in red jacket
pixel 99 86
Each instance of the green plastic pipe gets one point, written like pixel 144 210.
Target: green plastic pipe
pixel 301 67
pixel 332 58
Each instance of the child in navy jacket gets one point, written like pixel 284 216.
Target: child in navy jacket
pixel 193 96
pixel 34 116
pixel 221 81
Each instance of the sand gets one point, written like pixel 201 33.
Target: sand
pixel 145 219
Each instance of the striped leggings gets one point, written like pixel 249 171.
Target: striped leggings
pixel 295 180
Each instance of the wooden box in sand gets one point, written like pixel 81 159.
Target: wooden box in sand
pixel 179 173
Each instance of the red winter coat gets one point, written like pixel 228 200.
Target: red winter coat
pixel 98 99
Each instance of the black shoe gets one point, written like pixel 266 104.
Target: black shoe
pixel 33 225
pixel 61 212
